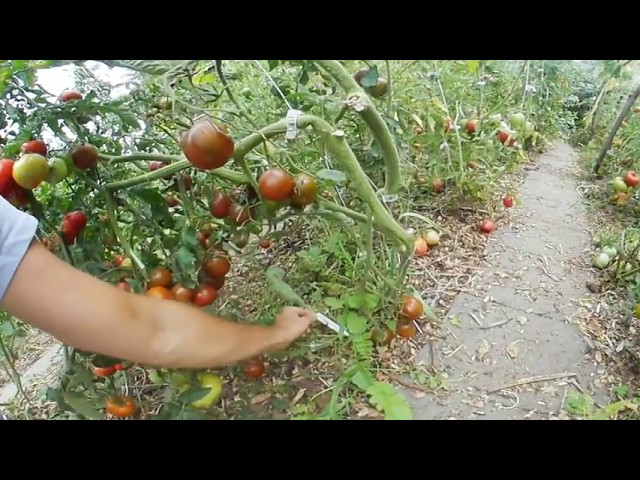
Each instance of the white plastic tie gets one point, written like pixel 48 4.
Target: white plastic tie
pixel 390 198
pixel 292 124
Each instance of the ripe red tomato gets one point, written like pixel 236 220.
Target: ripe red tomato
pixel 155 165
pixel 160 292
pixel 120 367
pixel 160 277
pixel 6 176
pixel 84 156
pixel 412 308
pixel 77 219
pixel 220 205
pixel 405 329
pixel 304 190
pixel 18 196
pixel 265 244
pixel 631 179
pixel 215 282
pixel 203 239
pixel 471 126
pixel 254 368
pixel 68 95
pixel 438 185
pixel 217 266
pixel 507 202
pixel 103 371
pixel 121 407
pixel 183 294
pixel 275 184
pixel 238 214
pixel 205 295
pixel 172 201
pixel 207 145
pixel 34 146
pixel 487 226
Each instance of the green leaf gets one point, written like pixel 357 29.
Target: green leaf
pixel 333 303
pixel 151 67
pixel 334 176
pixel 386 399
pixel 194 394
pixel 82 406
pixel 473 66
pixel 354 322
pixel 281 288
pixel 363 301
pixel 185 259
pixel 363 378
pixel 273 64
pixel 189 237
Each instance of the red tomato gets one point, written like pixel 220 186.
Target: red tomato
pixel 205 295
pixel 34 146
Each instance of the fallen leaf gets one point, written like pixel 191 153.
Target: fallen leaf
pixel 298 396
pixel 260 398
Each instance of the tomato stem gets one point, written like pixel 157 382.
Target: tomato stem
pixel 126 246
pixel 379 129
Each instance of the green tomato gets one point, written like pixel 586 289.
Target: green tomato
pixel 58 170
pixel 208 380
pixel 601 261
pixel 619 185
pixel 517 120
pixel 611 252
pixel 497 118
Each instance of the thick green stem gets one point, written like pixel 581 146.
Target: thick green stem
pixel 224 173
pixel 357 216
pixel 379 129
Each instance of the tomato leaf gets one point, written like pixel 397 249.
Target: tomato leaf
pixel 151 67
pixel 363 378
pixel 334 176
pixel 195 394
pixel 185 259
pixel 333 303
pixel 363 301
pixel 353 322
pixel 386 399
pixel 190 237
pixel 281 288
pixel 82 406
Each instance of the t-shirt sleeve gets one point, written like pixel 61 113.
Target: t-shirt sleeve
pixel 17 230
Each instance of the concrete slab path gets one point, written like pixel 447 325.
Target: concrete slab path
pixel 515 353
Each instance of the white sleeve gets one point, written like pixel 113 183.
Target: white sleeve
pixel 17 230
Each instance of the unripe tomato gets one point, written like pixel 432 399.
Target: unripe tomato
pixel 275 184
pixel 30 170
pixel 58 171
pixel 207 145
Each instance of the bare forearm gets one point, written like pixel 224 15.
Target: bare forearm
pixel 185 337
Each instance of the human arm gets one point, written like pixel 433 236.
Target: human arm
pixel 92 315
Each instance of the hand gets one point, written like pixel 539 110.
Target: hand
pixel 293 322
